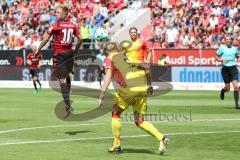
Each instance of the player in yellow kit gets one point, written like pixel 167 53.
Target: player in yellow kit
pixel 137 48
pixel 138 53
pixel 131 90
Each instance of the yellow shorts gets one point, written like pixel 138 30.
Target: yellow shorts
pixel 125 98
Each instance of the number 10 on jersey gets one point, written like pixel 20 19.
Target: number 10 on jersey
pixel 67 35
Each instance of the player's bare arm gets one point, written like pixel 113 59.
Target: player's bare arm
pixel 40 63
pixel 147 61
pixel 46 38
pixel 146 66
pixel 219 59
pixel 149 56
pixel 79 42
pixel 29 62
pixel 107 81
pixel 237 57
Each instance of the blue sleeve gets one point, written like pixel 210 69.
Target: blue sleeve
pixel 220 51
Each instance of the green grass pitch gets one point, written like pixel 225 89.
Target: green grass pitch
pixel 29 129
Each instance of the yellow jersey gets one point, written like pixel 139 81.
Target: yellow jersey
pixel 126 76
pixel 135 52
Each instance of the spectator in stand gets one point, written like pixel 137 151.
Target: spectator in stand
pixel 195 4
pixel 156 21
pixel 52 17
pixel 84 29
pixel 111 6
pixel 165 5
pixel 92 30
pixel 103 11
pixel 179 11
pixel 233 28
pixel 44 18
pixel 88 21
pixel 101 65
pixel 171 36
pixel 216 10
pixel 27 41
pixel 110 28
pixel 169 19
pixel 233 11
pixel 162 60
pixel 237 18
pixel 34 16
pixel 155 38
pixel 216 29
pixel 99 19
pixel 136 4
pixel 156 11
pixel 204 21
pixel 195 18
pixel 37 40
pixel 222 20
pixel 160 32
pixel 192 36
pixel 184 40
pixel 24 7
pixel 12 39
pixel 2 41
pixel 213 21
pixel 4 6
pixel 96 7
pixel 177 21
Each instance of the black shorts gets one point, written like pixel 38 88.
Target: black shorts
pixel 63 64
pixel 34 72
pixel 100 73
pixel 171 44
pixel 229 74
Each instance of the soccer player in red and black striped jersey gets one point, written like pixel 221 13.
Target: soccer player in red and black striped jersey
pixel 34 63
pixel 63 32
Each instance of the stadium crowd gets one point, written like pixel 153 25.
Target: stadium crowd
pixel 175 23
pixel 23 22
pixel 194 23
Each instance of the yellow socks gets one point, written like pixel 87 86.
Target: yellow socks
pixel 148 127
pixel 116 129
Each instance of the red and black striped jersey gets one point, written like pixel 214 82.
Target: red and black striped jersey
pixel 34 60
pixel 63 32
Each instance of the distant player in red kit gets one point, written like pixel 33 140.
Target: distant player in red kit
pixel 63 32
pixel 34 65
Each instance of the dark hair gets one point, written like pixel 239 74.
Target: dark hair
pixel 111 46
pixel 229 35
pixel 133 28
pixel 164 55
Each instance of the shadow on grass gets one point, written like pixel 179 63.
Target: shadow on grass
pixel 141 151
pixel 76 132
pixel 231 108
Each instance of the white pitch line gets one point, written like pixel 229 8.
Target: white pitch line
pixel 94 124
pixel 56 126
pixel 101 138
pixel 212 120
